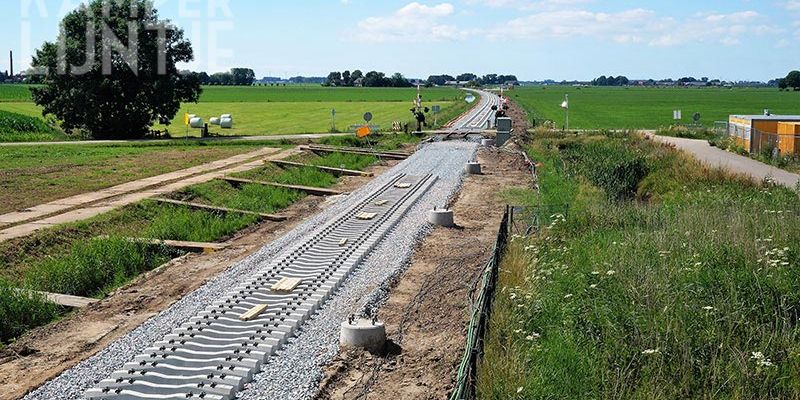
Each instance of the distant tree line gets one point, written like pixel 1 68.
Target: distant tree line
pixel 790 82
pixel 470 78
pixel 371 79
pixel 236 77
pixel 611 81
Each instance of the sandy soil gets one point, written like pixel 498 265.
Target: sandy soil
pixel 426 313
pixel 44 353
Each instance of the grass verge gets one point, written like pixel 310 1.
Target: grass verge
pixel 684 285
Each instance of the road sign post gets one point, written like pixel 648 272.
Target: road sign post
pixel 333 119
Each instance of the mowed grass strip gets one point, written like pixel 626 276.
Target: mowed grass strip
pixel 684 284
pixel 648 108
pixel 32 175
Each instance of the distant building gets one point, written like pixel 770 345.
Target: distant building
pixel 755 133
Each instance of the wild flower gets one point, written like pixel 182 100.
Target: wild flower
pixel 593 286
pixel 761 360
pixel 611 272
pixel 533 336
pixel 520 389
pixel 568 296
pixel 650 351
pixel 708 308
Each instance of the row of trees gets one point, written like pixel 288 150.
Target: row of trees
pixel 792 81
pixel 490 79
pixel 236 77
pixel 611 81
pixel 371 79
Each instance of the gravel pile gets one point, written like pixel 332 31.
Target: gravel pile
pixel 295 371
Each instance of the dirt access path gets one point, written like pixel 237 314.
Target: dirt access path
pixel 716 157
pixel 46 352
pixel 427 311
pixel 87 205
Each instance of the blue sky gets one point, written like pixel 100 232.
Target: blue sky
pixel 534 39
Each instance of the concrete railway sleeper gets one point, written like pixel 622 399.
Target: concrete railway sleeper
pixel 215 353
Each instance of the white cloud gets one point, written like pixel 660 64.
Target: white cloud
pixel 414 22
pixel 637 26
pixel 792 5
pixel 529 5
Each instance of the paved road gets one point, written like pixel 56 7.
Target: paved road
pixel 305 136
pixel 733 162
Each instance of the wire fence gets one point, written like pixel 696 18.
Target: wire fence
pixel 482 296
pixel 775 144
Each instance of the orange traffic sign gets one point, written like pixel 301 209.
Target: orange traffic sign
pixel 363 132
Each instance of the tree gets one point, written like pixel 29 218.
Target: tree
pixel 376 79
pixel 440 80
pixel 468 77
pixel 347 80
pixel 792 80
pixel 356 75
pixel 782 85
pixel 221 78
pixel 334 79
pixel 243 76
pixel 398 80
pixel 99 79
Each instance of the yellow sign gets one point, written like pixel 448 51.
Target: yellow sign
pixel 186 119
pixel 363 132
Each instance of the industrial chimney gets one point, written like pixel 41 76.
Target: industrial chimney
pixel 11 62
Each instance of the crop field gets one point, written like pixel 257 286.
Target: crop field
pixel 264 110
pixel 650 276
pixel 648 108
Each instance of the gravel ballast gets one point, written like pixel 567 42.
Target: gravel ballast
pixel 296 369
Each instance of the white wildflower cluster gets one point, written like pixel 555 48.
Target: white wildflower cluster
pixel 773 256
pixel 557 219
pixel 761 360
pixel 650 352
pixel 664 253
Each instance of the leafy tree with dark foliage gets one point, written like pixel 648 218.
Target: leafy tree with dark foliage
pixel 792 80
pixel 122 97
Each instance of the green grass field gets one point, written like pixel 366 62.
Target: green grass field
pixel 648 108
pixel 264 110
